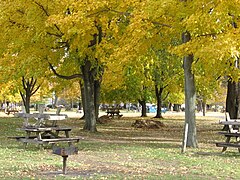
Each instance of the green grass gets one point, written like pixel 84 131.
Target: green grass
pixel 118 151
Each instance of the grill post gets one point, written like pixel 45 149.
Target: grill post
pixel 65 164
pixel 65 152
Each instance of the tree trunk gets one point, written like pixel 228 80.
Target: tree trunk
pixel 80 100
pixel 144 107
pixel 82 97
pixel 204 107
pixel 97 87
pixel 170 108
pixel 55 101
pixel 88 79
pixel 28 86
pixel 199 105
pixel 231 101
pixel 190 96
pixel 158 92
pixel 26 101
pixel 238 99
pixel 90 90
pixel 176 107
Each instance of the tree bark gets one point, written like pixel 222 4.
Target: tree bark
pixel 238 100
pixel 97 88
pixel 190 96
pixel 26 100
pixel 231 100
pixel 88 80
pixel 144 107
pixel 204 107
pixel 55 101
pixel 158 92
pixel 82 97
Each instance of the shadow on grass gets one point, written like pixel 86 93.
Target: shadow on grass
pixel 225 154
pixel 30 147
pixel 110 145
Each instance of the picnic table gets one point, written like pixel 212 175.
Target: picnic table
pixel 43 133
pixel 111 112
pixel 9 111
pixel 231 134
pixel 48 135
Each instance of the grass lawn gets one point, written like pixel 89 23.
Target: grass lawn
pixel 119 151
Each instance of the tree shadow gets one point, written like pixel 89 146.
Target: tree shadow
pixel 225 154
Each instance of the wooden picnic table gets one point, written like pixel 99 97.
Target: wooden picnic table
pixel 9 111
pixel 111 112
pixel 232 134
pixel 47 135
pixel 41 133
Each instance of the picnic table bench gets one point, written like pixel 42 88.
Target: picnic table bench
pixel 111 112
pixel 231 132
pixel 9 111
pixel 44 133
pixel 46 136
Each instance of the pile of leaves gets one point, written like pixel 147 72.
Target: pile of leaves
pixel 148 124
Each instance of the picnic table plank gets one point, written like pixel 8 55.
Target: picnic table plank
pixel 74 139
pixel 42 136
pixel 41 119
pixel 49 141
pixel 232 131
pixel 224 144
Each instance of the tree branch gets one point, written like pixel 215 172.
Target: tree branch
pixel 24 83
pixel 33 92
pixel 160 24
pixel 23 97
pixel 166 96
pixel 47 14
pixel 54 34
pixel 32 84
pixel 42 7
pixel 63 76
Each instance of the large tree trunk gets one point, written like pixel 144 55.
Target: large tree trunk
pixel 144 107
pixel 97 87
pixel 232 99
pixel 82 97
pixel 88 80
pixel 158 92
pixel 190 96
pixel 96 94
pixel 90 90
pixel 233 92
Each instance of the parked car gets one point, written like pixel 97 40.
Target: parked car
pixel 152 108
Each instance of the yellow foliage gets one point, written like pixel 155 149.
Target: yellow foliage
pixel 116 34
